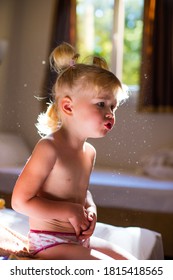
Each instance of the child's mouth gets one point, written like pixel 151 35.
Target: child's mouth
pixel 108 125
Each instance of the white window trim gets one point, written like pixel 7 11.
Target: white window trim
pixel 118 39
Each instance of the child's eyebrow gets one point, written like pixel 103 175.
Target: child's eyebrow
pixel 106 97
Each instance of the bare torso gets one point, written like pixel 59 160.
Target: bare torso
pixel 67 181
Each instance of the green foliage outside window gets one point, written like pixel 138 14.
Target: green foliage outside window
pixel 100 13
pixel 133 27
pixel 95 28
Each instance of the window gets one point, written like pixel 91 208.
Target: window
pixel 133 28
pixel 94 27
pixel 112 29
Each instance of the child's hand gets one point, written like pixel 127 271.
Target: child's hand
pixel 79 219
pixel 88 232
pixel 91 216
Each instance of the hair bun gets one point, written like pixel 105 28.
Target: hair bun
pixel 100 62
pixel 62 57
pixel 97 61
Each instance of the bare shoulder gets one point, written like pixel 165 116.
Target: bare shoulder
pixel 45 149
pixel 46 142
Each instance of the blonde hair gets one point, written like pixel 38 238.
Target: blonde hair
pixel 73 78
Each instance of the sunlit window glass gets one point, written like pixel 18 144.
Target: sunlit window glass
pixel 132 41
pixel 94 27
pixel 95 21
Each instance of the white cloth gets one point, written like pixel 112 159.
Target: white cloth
pixel 141 243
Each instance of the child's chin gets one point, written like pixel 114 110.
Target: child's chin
pixel 99 135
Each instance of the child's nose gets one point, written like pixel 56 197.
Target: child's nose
pixel 109 114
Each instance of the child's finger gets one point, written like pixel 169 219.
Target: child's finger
pixel 90 216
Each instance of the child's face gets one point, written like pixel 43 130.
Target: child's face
pixel 94 116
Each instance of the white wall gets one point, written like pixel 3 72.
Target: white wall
pixel 26 24
pixel 6 15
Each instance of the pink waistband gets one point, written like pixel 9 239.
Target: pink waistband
pixel 53 232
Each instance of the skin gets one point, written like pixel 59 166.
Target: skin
pixel 53 186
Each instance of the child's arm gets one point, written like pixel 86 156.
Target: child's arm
pixel 90 206
pixel 92 216
pixel 26 199
pixel 89 203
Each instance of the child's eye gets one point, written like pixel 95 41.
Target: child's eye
pixel 101 104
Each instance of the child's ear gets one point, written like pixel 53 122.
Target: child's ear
pixel 67 105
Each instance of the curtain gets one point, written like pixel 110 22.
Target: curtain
pixel 64 23
pixel 63 30
pixel 156 91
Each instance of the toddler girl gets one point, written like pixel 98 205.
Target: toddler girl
pixel 53 186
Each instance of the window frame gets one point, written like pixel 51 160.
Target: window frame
pixel 118 39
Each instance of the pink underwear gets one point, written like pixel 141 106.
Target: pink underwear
pixel 39 240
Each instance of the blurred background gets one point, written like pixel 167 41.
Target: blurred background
pixel 136 38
